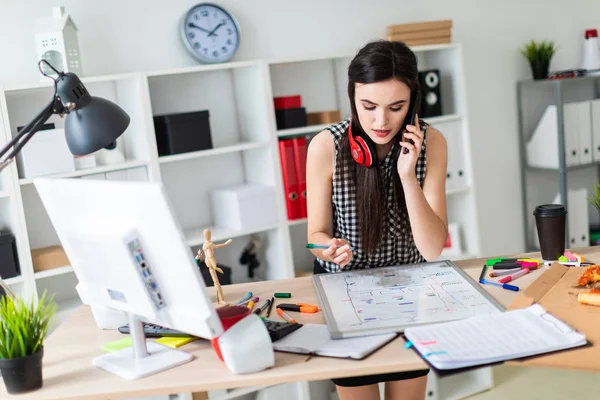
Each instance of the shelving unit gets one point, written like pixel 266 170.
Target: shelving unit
pixel 562 170
pixel 239 98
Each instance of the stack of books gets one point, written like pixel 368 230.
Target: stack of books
pixel 421 33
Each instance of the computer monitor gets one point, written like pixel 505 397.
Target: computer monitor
pixel 129 254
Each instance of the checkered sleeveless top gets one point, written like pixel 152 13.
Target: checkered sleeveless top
pixel 397 246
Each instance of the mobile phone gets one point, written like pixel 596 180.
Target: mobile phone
pixel 410 115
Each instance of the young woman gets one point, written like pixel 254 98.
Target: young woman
pixel 376 185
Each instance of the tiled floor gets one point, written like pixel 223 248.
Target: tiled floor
pixel 541 384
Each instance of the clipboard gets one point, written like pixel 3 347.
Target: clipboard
pixel 348 312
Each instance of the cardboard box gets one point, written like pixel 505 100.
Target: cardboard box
pixel 419 26
pixel 323 117
pixel 46 258
pixel 555 290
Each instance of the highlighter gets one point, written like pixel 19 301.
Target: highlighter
pixel 299 307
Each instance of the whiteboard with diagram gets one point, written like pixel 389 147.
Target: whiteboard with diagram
pixel 390 299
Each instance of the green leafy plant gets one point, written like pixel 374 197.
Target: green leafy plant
pixel 539 52
pixel 595 198
pixel 23 326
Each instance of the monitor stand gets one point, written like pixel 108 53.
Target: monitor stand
pixel 143 358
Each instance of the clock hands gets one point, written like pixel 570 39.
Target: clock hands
pixel 212 33
pixel 192 25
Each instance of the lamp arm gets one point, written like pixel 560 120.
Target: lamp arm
pixel 28 131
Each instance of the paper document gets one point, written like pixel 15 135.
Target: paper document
pixel 488 339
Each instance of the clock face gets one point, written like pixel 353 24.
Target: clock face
pixel 210 33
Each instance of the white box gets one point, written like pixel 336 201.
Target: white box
pixel 45 153
pixel 245 206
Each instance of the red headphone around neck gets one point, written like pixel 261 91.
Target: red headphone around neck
pixel 361 148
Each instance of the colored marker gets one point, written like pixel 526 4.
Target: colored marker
pixel 323 246
pixel 502 285
pixel 245 303
pixel 262 307
pixel 246 297
pixel 251 304
pixel 502 272
pixel 514 276
pixel 301 307
pixel 270 306
pixel 285 316
pixel 493 261
pixel 482 272
pixel 283 295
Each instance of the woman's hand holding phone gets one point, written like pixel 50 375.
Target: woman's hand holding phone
pixel 338 252
pixel 411 143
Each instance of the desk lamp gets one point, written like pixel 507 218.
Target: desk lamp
pixel 92 123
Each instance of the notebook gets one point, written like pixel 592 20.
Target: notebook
pixel 489 339
pixel 315 339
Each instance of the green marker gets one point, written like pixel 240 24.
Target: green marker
pixel 322 246
pixel 283 295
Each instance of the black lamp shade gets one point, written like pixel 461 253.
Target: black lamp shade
pixel 95 126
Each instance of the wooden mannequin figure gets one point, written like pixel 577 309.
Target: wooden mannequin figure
pixel 207 254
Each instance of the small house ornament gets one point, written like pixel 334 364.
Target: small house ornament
pixel 56 42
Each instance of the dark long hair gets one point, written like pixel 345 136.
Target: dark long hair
pixel 377 61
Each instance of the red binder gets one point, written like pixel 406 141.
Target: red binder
pixel 290 179
pixel 300 159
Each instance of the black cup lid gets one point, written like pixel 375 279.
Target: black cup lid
pixel 550 210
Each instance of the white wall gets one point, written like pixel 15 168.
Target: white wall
pixel 129 35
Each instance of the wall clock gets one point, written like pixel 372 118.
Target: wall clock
pixel 210 33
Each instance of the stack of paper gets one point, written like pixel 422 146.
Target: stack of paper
pixel 421 33
pixel 494 338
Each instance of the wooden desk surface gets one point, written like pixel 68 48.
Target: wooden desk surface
pixel 69 374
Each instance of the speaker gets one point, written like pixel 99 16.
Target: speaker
pixel 431 100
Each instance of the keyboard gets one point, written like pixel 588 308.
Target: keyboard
pixel 276 329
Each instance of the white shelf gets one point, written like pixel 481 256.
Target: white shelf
pixel 195 237
pixel 90 171
pixel 443 118
pixel 13 281
pixel 202 68
pixel 212 152
pixel 48 83
pixel 304 130
pixel 297 221
pixel 53 272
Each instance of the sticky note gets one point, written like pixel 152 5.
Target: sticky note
pixel 117 345
pixel 175 342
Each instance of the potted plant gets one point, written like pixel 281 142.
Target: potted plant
pixel 23 328
pixel 539 55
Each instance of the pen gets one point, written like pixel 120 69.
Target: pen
pixel 270 306
pixel 502 285
pixel 262 307
pixel 514 276
pixel 285 316
pixel 246 297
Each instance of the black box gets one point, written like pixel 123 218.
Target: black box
pixel 9 263
pixel 290 118
pixel 431 96
pixel 224 278
pixel 182 133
